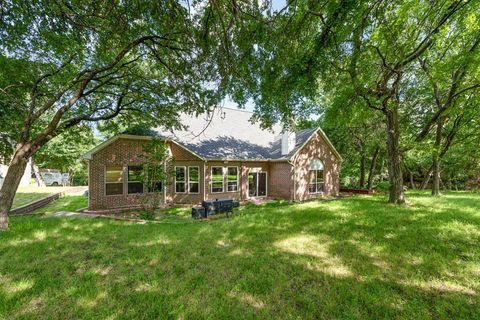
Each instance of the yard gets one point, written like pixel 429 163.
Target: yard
pixel 350 258
pixel 25 195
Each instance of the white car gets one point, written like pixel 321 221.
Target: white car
pixel 52 178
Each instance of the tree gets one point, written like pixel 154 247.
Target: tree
pixel 70 63
pixel 65 152
pixel 156 172
pixel 307 49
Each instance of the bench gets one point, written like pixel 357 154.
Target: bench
pixel 212 207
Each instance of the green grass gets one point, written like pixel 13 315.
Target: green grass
pixel 25 195
pixel 351 258
pixel 65 203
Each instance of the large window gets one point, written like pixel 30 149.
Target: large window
pixel 315 178
pixel 232 179
pixel 135 179
pixel 113 180
pixel 180 180
pixel 193 180
pixel 217 179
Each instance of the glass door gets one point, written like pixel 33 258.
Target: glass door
pixel 257 184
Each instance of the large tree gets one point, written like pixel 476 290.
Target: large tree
pixel 364 49
pixel 67 63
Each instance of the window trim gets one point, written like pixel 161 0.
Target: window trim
pixel 211 179
pixel 128 180
pixel 105 181
pixel 316 183
pixel 236 167
pixel 198 181
pixel 184 181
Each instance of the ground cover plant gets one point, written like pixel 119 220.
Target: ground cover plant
pixel 349 258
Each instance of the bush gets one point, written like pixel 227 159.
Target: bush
pixel 146 214
pixel 383 186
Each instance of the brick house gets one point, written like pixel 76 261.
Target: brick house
pixel 220 155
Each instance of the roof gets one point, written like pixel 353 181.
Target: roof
pixel 228 134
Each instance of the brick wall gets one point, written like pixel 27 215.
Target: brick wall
pixel 280 182
pixel 124 152
pixel 317 147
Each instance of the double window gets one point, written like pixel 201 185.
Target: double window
pixel 187 182
pixel 315 176
pixel 218 179
pixel 114 179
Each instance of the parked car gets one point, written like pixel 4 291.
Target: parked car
pixel 52 178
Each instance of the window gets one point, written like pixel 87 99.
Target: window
pixel 135 179
pixel 113 180
pixel 193 180
pixel 232 179
pixel 315 176
pixel 217 179
pixel 180 180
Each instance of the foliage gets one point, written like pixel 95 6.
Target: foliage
pixel 65 152
pixel 354 258
pixel 157 170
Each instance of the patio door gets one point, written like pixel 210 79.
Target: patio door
pixel 257 184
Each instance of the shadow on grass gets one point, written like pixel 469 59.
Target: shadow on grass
pixel 351 258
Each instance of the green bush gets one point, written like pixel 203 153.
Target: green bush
pixel 383 186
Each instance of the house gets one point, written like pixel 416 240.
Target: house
pixel 218 155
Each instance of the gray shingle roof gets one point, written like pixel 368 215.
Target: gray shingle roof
pixel 230 134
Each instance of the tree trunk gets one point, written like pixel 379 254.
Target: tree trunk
pixel 372 167
pixel 12 180
pixel 38 176
pixel 412 183
pixel 361 181
pixel 426 179
pixel 436 159
pixel 394 154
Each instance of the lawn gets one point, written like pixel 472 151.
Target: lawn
pixel 356 258
pixel 25 195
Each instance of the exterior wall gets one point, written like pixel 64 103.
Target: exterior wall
pixel 317 147
pixel 285 180
pixel 280 181
pixel 125 152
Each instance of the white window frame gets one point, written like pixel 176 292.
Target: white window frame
pixel 316 183
pixel 105 181
pixel 226 174
pixel 184 181
pixel 211 179
pixel 197 182
pixel 128 181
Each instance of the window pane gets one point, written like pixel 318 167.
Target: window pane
pixel 135 173
pixel 193 187
pixel 319 176
pixel 217 174
pixel 156 187
pixel 180 187
pixel 232 174
pixel 113 188
pixel 180 173
pixel 311 176
pixel 135 187
pixel 232 186
pixel 114 174
pixel 312 188
pixel 217 186
pixel 193 174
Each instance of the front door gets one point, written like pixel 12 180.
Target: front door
pixel 257 184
